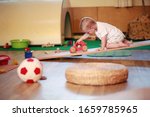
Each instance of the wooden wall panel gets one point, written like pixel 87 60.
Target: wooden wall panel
pixel 120 17
pixel 78 13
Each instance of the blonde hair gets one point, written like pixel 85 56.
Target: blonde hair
pixel 86 23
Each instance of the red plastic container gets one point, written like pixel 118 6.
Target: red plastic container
pixel 4 59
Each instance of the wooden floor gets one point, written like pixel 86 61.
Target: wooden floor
pixel 56 87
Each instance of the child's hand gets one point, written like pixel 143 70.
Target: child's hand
pixel 78 41
pixel 101 49
pixel 104 48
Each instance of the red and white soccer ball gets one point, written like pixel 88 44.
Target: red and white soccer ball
pixel 30 70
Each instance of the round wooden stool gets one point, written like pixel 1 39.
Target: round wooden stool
pixel 96 73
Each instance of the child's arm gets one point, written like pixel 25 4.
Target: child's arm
pixel 103 43
pixel 85 36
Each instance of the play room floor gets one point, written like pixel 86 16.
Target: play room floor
pixel 56 87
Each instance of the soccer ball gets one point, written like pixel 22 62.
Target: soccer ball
pixel 30 70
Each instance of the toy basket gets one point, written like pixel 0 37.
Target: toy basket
pixel 20 43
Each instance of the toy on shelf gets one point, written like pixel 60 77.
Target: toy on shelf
pixel 28 53
pixel 30 70
pixel 48 45
pixel 6 46
pixel 68 43
pixel 79 46
pixel 57 50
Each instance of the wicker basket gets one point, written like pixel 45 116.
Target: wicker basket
pixel 96 73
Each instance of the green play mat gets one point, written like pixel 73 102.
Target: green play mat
pixel 90 44
pixel 116 53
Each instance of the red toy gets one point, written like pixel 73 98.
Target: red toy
pixel 6 46
pixel 28 53
pixel 78 46
pixel 4 59
pixel 27 49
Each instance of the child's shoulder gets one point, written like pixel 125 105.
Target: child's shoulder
pixel 104 24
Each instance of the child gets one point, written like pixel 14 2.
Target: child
pixel 110 36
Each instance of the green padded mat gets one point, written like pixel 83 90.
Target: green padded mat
pixel 90 44
pixel 116 53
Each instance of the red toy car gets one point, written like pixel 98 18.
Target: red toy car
pixel 78 46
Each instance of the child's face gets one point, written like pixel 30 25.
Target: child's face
pixel 91 31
